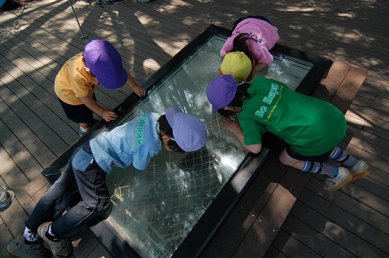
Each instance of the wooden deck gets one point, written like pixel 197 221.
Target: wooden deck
pixel 352 222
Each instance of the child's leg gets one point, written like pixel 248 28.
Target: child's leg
pixel 337 177
pixel 359 168
pixel 51 202
pixel 80 114
pixel 308 166
pixel 84 126
pixel 92 206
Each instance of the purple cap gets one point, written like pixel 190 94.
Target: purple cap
pixel 105 63
pixel 188 131
pixel 221 91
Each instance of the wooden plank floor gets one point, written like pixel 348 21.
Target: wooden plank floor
pixel 352 222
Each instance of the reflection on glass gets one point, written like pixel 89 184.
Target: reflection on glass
pixel 155 209
pixel 288 70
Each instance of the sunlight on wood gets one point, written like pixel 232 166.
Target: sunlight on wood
pixel 356 119
pixel 151 64
pixel 333 229
pixel 173 6
pixel 347 15
pixel 170 47
pixel 4 160
pixel 302 9
pixel 145 19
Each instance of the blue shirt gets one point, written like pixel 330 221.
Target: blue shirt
pixel 136 142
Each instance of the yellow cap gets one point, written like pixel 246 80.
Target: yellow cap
pixel 237 64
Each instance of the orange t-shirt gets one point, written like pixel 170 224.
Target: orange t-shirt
pixel 73 81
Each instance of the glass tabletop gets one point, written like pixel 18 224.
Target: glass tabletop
pixel 156 209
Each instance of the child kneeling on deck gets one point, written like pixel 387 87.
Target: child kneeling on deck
pixel 312 128
pixel 134 142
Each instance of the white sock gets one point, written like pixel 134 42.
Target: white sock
pixel 29 235
pixel 50 232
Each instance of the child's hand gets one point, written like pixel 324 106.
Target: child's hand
pixel 138 90
pixel 108 115
pixel 231 125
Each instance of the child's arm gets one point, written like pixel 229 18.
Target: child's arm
pixel 259 66
pixel 233 127
pixel 106 114
pixel 135 87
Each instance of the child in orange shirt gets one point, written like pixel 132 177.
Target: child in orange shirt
pixel 78 78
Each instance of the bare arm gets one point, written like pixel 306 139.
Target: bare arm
pixel 106 114
pixel 138 90
pixel 233 127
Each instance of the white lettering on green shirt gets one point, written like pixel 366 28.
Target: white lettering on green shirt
pixel 140 129
pixel 261 112
pixel 274 91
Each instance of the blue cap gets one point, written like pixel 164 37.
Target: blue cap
pixel 105 62
pixel 189 132
pixel 221 91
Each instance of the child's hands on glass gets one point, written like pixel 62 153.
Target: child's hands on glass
pixel 108 115
pixel 138 90
pixel 231 125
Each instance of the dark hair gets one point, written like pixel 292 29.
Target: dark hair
pixel 168 130
pixel 240 44
pixel 240 95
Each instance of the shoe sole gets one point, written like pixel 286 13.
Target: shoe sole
pixel 348 180
pixel 23 256
pixel 14 255
pixel 361 175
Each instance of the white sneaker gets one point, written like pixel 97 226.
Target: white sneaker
pixel 343 178
pixel 360 170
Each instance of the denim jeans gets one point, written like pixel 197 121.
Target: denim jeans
pixel 83 189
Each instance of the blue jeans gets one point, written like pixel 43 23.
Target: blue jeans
pixel 83 189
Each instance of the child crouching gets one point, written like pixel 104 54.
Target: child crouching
pixel 312 128
pixel 133 143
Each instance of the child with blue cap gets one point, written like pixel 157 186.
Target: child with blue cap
pixel 75 83
pixel 312 128
pixel 134 142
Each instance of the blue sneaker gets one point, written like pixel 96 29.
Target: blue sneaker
pixel 82 131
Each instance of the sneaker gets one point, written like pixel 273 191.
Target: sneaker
pixel 60 248
pixel 6 198
pixel 343 178
pixel 82 131
pixel 360 170
pixel 18 247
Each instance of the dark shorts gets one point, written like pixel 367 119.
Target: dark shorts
pixel 319 158
pixel 251 16
pixel 78 113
